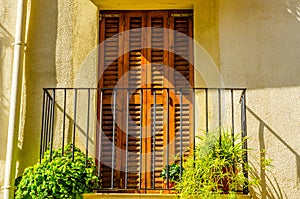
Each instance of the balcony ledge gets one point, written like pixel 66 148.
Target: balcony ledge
pixel 142 196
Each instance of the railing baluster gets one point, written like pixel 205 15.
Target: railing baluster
pixel 100 132
pixel 206 110
pixel 127 137
pixel 167 138
pixel 232 122
pixel 74 125
pixel 141 137
pixel 42 129
pixel 153 140
pixel 64 122
pixel 194 125
pixel 52 124
pixel 220 116
pixel 87 128
pixel 232 115
pixel 113 141
pixel 48 105
pixel 244 134
pixel 180 99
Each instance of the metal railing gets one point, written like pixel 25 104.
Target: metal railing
pixel 81 116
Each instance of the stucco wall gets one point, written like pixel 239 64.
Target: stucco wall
pixel 259 50
pixel 51 60
pixel 7 31
pixel 255 44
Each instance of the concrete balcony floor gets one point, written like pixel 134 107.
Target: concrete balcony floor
pixel 142 196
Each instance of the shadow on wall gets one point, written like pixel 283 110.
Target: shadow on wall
pixel 6 54
pixel 293 7
pixel 40 72
pixel 64 127
pixel 270 188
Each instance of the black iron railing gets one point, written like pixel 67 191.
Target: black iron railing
pixel 97 119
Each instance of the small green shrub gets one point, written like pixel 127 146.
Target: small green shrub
pixel 59 178
pixel 173 172
pixel 216 169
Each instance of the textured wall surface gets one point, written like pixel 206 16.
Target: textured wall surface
pixel 259 50
pixel 7 31
pixel 51 58
pixel 252 44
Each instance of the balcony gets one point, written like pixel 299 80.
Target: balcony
pixel 133 133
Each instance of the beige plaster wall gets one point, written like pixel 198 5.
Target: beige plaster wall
pixel 7 31
pixel 259 50
pixel 255 44
pixel 52 58
pixel 61 36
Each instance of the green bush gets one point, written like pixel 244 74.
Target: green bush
pixel 216 169
pixel 173 172
pixel 59 178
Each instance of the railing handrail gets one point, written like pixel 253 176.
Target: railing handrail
pixel 141 88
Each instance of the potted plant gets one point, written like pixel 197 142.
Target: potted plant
pixel 59 178
pixel 171 174
pixel 215 167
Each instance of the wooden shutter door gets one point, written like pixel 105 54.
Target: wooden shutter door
pixel 158 120
pixel 157 74
pixel 171 109
pixel 110 71
pixel 134 68
pixel 181 106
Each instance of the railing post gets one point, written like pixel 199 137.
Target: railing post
pixel 87 128
pixel 167 138
pixel 52 124
pixel 206 110
pixel 244 134
pixel 153 140
pixel 220 108
pixel 113 140
pixel 232 122
pixel 47 120
pixel 42 129
pixel 74 125
pixel 194 121
pixel 64 122
pixel 141 137
pixel 100 131
pixel 180 102
pixel 232 114
pixel 127 137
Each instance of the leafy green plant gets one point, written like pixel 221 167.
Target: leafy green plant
pixel 172 171
pixel 59 178
pixel 217 167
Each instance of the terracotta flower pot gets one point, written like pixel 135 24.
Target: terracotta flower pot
pixel 225 184
pixel 168 189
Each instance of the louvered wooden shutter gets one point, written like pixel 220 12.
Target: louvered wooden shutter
pixel 157 78
pixel 181 119
pixel 133 64
pixel 110 70
pixel 137 66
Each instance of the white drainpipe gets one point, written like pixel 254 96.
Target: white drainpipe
pixel 10 164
